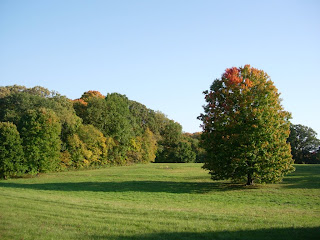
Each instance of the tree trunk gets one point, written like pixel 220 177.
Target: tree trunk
pixel 249 180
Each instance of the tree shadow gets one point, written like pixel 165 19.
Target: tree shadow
pixel 305 176
pixel 261 234
pixel 127 186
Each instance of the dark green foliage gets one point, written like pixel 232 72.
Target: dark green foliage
pixel 40 132
pixel 171 135
pixel 143 118
pixel 184 153
pixel 140 117
pixel 13 106
pixel 118 125
pixel 194 140
pixel 95 113
pixel 173 146
pixel 118 119
pixel 11 152
pixel 304 144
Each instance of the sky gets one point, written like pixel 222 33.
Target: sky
pixel 163 53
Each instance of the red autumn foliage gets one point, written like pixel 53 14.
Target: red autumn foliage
pixel 232 74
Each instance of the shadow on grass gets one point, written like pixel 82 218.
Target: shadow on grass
pixel 305 176
pixel 135 186
pixel 261 234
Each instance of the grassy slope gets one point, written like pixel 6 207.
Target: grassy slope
pixel 158 201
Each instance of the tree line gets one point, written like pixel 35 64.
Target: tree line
pixel 246 132
pixel 43 131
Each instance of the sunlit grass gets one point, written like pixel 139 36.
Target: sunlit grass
pixel 158 201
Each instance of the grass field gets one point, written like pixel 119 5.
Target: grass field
pixel 158 201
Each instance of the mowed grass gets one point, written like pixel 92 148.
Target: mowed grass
pixel 159 201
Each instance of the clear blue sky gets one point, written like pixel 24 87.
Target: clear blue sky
pixel 163 53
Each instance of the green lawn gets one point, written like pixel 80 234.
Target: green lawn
pixel 158 201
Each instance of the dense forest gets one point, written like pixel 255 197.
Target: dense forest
pixel 43 131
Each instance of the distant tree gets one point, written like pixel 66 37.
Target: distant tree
pixel 118 125
pixel 304 143
pixel 245 128
pixel 91 94
pixel 140 117
pixel 316 156
pixel 96 114
pixel 11 152
pixel 184 152
pixel 171 135
pixel 92 108
pixel 40 132
pixel 80 107
pixel 194 140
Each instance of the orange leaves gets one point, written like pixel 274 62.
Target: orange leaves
pixel 80 101
pixel 248 83
pixel 232 74
pixel 241 76
pixel 83 101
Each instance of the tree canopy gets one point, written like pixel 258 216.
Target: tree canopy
pixel 245 128
pixel 304 144
pixel 40 132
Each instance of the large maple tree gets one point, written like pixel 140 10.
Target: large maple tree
pixel 245 128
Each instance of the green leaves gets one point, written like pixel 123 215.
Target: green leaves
pixel 11 153
pixel 58 133
pixel 40 131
